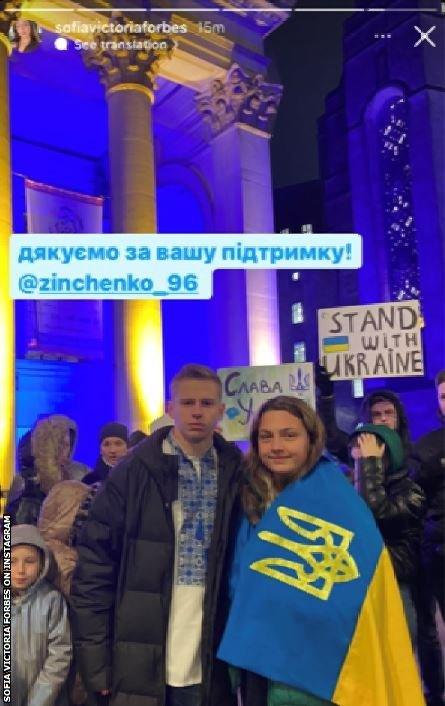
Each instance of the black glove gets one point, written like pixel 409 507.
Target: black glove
pixel 323 381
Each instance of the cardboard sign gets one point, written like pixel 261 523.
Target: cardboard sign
pixel 246 388
pixel 371 341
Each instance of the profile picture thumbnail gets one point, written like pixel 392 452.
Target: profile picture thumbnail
pixel 24 35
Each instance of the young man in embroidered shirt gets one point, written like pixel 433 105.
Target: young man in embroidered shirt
pixel 148 596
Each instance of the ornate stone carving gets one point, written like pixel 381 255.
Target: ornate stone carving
pixel 125 58
pixel 270 16
pixel 240 99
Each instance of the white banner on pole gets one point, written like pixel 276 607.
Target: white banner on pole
pixel 52 210
pixel 61 328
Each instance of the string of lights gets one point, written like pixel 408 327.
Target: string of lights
pixel 399 223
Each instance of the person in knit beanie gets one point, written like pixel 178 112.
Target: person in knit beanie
pixel 113 439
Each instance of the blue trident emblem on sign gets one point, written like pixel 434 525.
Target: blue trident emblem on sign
pixel 325 559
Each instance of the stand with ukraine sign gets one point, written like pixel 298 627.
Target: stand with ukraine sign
pixel 373 340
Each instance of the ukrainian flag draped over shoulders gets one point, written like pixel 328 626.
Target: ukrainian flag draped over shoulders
pixel 315 603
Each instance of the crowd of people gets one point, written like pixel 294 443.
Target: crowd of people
pixel 179 573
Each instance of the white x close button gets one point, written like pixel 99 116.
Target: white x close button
pixel 424 36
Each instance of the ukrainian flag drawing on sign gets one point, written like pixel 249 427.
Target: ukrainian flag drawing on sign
pixel 315 603
pixel 335 344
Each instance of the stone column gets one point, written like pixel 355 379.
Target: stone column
pixel 129 79
pixel 240 112
pixel 7 415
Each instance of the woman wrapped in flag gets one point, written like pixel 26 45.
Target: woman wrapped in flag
pixel 316 617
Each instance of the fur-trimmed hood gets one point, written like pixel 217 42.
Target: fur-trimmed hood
pixel 47 438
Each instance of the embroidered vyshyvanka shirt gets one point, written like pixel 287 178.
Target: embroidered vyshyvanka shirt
pixel 193 517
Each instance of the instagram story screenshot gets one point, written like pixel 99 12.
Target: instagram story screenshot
pixel 222 352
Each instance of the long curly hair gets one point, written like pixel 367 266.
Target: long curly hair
pixel 47 440
pixel 259 489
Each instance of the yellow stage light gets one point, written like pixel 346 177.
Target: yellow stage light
pixel 145 365
pixel 6 304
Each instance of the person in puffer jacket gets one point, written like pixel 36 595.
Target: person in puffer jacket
pixel 41 638
pixel 431 590
pixel 56 520
pixel 397 503
pixel 60 515
pixel 45 458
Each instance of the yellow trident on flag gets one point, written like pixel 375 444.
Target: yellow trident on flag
pixel 326 555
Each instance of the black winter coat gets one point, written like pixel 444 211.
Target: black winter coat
pixel 99 474
pixel 25 509
pixel 431 478
pixel 398 505
pixel 121 589
pixel 336 439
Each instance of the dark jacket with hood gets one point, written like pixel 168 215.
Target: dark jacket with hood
pixel 337 439
pixel 122 585
pixel 100 473
pixel 41 639
pixel 397 502
pixel 430 449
